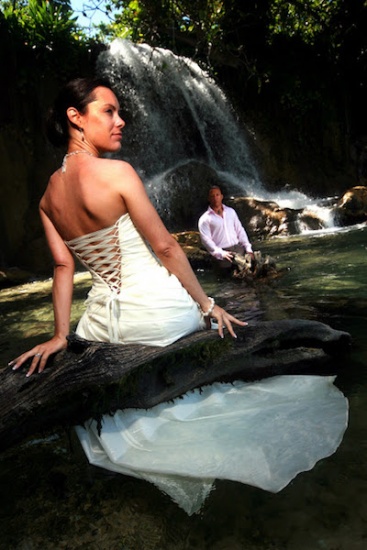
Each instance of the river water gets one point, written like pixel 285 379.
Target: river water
pixel 52 499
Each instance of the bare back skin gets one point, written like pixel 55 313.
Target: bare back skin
pixel 83 199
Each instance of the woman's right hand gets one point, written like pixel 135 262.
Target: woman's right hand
pixel 40 354
pixel 225 320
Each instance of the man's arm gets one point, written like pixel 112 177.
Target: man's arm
pixel 207 239
pixel 241 234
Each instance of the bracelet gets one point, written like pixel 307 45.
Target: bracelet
pixel 210 310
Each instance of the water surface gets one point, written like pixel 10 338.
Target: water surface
pixel 52 499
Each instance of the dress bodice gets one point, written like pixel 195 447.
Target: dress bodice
pixel 113 254
pixel 134 298
pixel 100 252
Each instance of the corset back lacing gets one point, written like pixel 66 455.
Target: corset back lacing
pixel 100 253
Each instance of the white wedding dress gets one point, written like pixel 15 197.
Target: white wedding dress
pixel 261 433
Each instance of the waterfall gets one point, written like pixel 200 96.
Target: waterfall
pixel 175 113
pixel 181 133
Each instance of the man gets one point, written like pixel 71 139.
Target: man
pixel 221 231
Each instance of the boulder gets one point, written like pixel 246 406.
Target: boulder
pixel 263 219
pixel 352 207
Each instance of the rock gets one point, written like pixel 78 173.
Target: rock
pixel 263 219
pixel 309 221
pixel 181 195
pixel 352 207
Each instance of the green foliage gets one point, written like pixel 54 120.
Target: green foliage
pixel 241 31
pixel 40 22
pixel 305 18
pixel 41 37
pixel 163 22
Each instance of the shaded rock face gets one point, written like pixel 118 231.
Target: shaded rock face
pixel 352 207
pixel 181 195
pixel 263 219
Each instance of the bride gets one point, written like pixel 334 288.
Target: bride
pixel 144 291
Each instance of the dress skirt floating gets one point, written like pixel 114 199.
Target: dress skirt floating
pixel 260 433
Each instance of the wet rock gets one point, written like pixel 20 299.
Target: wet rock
pixel 181 195
pixel 352 207
pixel 308 220
pixel 263 219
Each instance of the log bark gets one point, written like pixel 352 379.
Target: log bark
pixel 92 378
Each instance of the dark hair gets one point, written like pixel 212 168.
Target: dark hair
pixel 77 93
pixel 216 187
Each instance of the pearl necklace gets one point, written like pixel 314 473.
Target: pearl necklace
pixel 78 152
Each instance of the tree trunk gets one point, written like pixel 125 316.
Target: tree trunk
pixel 92 378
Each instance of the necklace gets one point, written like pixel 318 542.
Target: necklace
pixel 78 152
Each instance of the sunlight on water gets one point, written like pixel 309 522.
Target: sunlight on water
pixel 323 264
pixel 26 315
pixel 52 499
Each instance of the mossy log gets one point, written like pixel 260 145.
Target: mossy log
pixel 91 378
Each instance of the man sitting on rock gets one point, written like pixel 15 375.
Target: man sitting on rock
pixel 221 231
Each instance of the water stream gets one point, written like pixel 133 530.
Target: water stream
pixel 175 113
pixel 53 499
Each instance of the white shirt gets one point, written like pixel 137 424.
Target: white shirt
pixel 219 232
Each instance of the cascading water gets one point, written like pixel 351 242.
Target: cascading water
pixel 181 133
pixel 175 114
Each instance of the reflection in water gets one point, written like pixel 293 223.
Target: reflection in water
pixel 53 499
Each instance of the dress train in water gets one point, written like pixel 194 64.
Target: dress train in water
pixel 260 433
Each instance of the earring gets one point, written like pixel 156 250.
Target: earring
pixel 81 133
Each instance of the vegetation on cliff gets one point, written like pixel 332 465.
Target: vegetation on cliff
pixel 295 72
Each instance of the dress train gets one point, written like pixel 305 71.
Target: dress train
pixel 260 433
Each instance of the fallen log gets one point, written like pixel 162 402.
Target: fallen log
pixel 92 378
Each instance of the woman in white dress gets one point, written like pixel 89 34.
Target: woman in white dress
pixel 98 208
pixel 144 291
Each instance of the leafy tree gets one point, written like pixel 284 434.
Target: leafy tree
pixel 189 27
pixel 39 37
pixel 238 32
pixel 305 18
pixel 40 22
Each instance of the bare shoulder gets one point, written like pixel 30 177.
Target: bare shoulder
pixel 114 173
pixel 114 167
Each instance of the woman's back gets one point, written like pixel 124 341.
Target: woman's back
pixel 85 197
